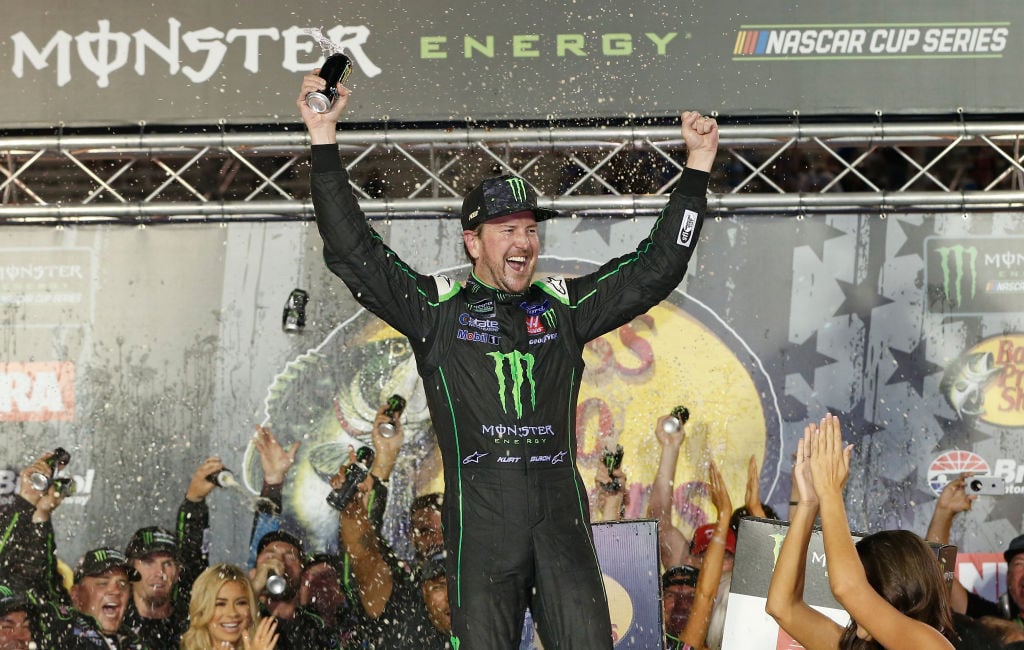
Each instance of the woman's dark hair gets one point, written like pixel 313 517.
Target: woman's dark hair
pixel 902 568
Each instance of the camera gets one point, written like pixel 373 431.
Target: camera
pixel 985 485
pixel 613 460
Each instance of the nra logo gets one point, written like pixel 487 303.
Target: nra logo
pixel 37 391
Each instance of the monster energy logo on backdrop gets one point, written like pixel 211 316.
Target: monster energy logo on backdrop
pixel 520 367
pixel 953 270
pixel 518 187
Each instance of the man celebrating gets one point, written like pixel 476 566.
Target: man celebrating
pixel 501 359
pixel 15 620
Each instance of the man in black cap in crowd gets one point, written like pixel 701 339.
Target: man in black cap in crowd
pixel 168 563
pixel 93 615
pixel 16 620
pixel 279 556
pixel 678 588
pixel 500 356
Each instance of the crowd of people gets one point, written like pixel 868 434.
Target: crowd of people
pixel 512 531
pixel 159 591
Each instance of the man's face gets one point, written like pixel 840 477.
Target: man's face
pixel 287 555
pixel 426 532
pixel 504 251
pixel 159 573
pixel 321 590
pixel 104 597
pixel 1015 579
pixel 435 597
pixel 15 633
pixel 676 601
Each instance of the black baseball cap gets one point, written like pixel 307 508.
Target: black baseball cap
pixel 13 601
pixel 680 575
pixel 279 536
pixel 101 560
pixel 499 197
pixel 433 567
pixel 152 539
pixel 1016 547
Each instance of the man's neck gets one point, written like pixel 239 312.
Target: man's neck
pixel 153 608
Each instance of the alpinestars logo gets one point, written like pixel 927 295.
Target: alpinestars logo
pixel 956 263
pixel 518 188
pixel 519 366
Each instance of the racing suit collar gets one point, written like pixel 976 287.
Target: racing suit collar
pixel 476 285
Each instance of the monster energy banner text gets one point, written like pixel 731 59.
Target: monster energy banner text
pixel 122 62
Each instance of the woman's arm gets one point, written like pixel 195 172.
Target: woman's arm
pixel 830 466
pixel 786 605
pixel 696 631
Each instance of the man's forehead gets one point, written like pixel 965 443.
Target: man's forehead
pixel 112 573
pixel 279 546
pixel 516 218
pixel 157 556
pixel 15 616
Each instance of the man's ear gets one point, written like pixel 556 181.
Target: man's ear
pixel 472 243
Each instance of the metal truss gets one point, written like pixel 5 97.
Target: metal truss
pixel 793 169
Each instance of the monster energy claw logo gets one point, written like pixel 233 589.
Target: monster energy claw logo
pixel 953 278
pixel 520 367
pixel 518 187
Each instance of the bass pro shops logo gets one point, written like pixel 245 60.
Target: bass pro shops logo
pixel 987 382
pixel 514 371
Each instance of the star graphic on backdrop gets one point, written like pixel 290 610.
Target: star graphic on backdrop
pixel 793 410
pixel 914 245
pixel 955 434
pixel 912 367
pixel 814 232
pixel 1004 507
pixel 602 225
pixel 861 299
pixel 855 427
pixel 804 358
pixel 906 491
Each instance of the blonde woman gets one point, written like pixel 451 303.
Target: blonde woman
pixel 223 614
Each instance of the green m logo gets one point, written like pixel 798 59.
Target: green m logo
pixel 956 261
pixel 100 555
pixel 518 187
pixel 520 371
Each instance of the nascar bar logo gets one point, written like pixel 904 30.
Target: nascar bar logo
pixel 872 41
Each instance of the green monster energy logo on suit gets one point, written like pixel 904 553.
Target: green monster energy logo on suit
pixel 518 187
pixel 520 368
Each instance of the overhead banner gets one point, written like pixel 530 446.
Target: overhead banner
pixel 144 350
pixel 120 62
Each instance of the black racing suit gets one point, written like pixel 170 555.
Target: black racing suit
pixel 501 374
pixel 190 530
pixel 28 560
